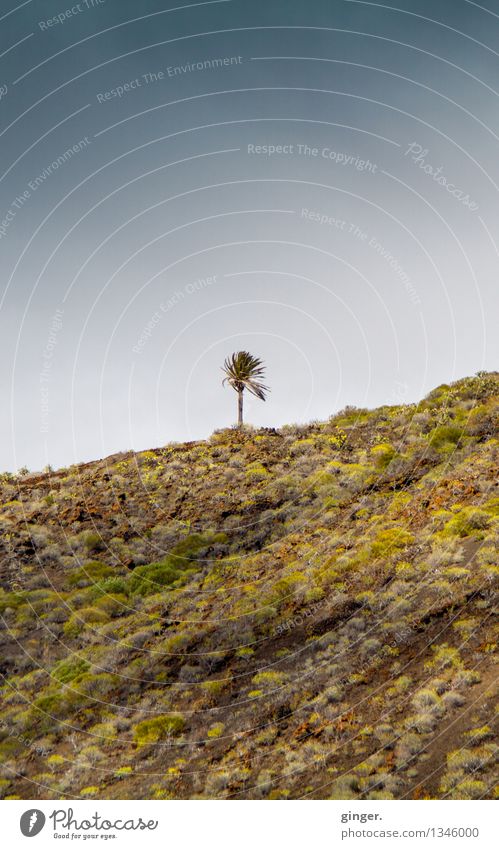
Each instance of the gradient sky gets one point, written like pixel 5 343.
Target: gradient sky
pixel 167 241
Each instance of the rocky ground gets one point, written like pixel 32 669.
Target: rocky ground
pixel 304 612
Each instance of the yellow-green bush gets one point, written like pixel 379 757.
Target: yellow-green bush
pixel 390 540
pixel 90 573
pixel 87 616
pixel 269 679
pixel 89 792
pixel 446 437
pixel 123 772
pixel 66 670
pixel 158 728
pixel 383 454
pixel 470 521
pixel 215 730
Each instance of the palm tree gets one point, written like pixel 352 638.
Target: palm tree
pixel 243 371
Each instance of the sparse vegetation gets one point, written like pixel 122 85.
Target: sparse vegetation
pixel 267 613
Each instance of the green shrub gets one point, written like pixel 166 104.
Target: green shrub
pixel 4 785
pixel 93 542
pixel 426 700
pixel 87 616
pixel 67 670
pixel 89 792
pixel 284 589
pixel 215 730
pixel 471 760
pixel 492 507
pixel 383 454
pixel 455 573
pixel 213 688
pixel 55 705
pixel 256 471
pixel 477 735
pixel 333 694
pixel 148 579
pixel 314 594
pixel 187 549
pixel 113 586
pixel 390 540
pixel 470 521
pixel 97 686
pixel 337 439
pixel 445 437
pixel 444 657
pixel 405 570
pixel 269 679
pixel 469 789
pixel 350 416
pixel 10 748
pixel 123 772
pixel 52 702
pixel 11 600
pixel 90 573
pixel 113 605
pixel 153 730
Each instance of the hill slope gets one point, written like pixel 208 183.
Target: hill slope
pixel 268 614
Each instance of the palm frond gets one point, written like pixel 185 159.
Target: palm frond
pixel 243 371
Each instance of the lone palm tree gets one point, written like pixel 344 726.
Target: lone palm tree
pixel 243 371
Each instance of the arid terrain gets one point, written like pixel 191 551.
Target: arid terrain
pixel 269 614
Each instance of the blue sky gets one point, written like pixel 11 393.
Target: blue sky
pixel 315 182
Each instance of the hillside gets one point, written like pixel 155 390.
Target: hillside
pixel 303 612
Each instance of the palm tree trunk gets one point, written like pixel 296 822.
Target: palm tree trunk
pixel 240 408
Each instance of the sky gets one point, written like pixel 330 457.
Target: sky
pixel 313 182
